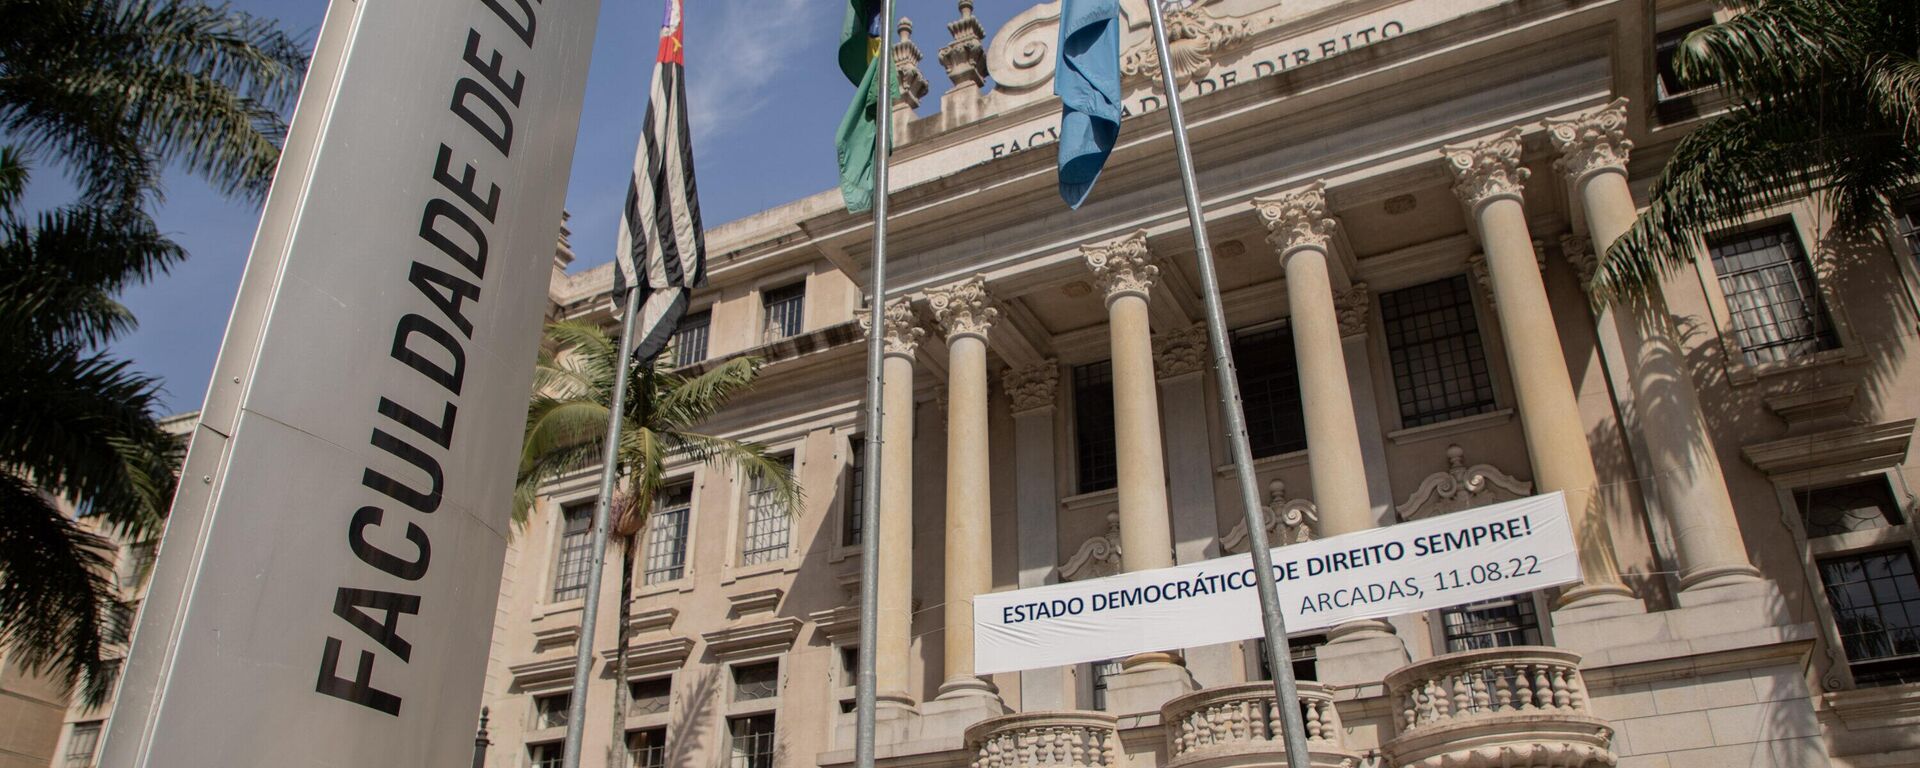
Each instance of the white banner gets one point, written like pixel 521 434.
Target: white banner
pixel 1493 551
pixel 325 591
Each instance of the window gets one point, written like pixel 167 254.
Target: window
pixel 1907 223
pixel 1102 671
pixel 1496 623
pixel 570 565
pixel 752 682
pixel 1304 651
pixel 550 711
pixel 650 697
pixel 667 534
pixel 1861 506
pixel 545 755
pixel 1093 442
pixel 647 749
pixel 1270 390
pixel 767 522
pixel 690 339
pixel 1433 341
pixel 1876 603
pixel 1665 46
pixel 783 306
pixel 752 741
pixel 82 742
pixel 139 562
pixel 120 618
pixel 1776 310
pixel 850 519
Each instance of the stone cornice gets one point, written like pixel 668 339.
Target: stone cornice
pixel 657 656
pixel 1297 219
pixel 1181 352
pixel 770 636
pixel 902 328
pixel 964 308
pixel 1590 142
pixel 1487 170
pixel 1122 267
pixel 1033 387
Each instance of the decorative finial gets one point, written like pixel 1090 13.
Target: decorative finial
pixel 906 67
pixel 965 59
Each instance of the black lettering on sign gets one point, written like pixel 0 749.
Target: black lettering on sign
pixel 423 501
pixel 411 570
pixel 522 25
pixel 358 690
pixel 490 69
pixel 464 186
pixel 498 132
pixel 430 281
pixel 348 602
pixel 441 433
pixel 439 210
pixel 405 331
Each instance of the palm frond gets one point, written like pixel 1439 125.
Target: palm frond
pixel 55 592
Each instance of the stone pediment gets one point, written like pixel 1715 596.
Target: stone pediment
pixel 1288 521
pixel 772 636
pixel 1097 556
pixel 1460 487
pixel 544 673
pixel 657 656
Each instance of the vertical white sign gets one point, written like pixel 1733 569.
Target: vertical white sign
pixel 326 587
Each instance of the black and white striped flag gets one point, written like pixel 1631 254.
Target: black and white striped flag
pixel 662 251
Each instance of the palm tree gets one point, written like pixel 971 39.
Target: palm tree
pixel 1825 102
pixel 566 433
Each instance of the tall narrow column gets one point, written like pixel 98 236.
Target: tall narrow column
pixel 1488 178
pixel 1125 273
pixel 964 311
pixel 1689 483
pixel 896 507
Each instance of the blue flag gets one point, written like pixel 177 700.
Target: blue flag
pixel 1086 76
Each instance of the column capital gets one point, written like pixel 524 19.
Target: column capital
pixel 1352 306
pixel 1297 219
pixel 1594 141
pixel 902 328
pixel 1180 352
pixel 1032 388
pixel 964 308
pixel 1487 170
pixel 1579 252
pixel 1123 266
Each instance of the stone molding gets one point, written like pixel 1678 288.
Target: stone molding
pixel 771 636
pixel 1591 142
pixel 1194 38
pixel 653 657
pixel 1353 307
pixel 1237 725
pixel 965 59
pixel 1524 705
pixel 1053 739
pixel 1461 487
pixel 906 66
pixel 964 308
pixel 1033 387
pixel 1288 521
pixel 1097 556
pixel 1487 170
pixel 901 326
pixel 1180 352
pixel 1121 267
pixel 1297 220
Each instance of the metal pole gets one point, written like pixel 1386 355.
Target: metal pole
pixel 1285 692
pixel 481 742
pixel 876 357
pixel 609 464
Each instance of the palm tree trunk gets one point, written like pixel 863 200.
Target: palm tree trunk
pixel 617 752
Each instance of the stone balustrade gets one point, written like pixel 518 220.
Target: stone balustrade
pixel 1239 726
pixel 1521 707
pixel 1060 739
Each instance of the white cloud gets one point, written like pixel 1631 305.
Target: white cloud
pixel 736 58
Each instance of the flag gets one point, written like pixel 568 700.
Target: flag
pixel 661 249
pixel 1086 76
pixel 854 141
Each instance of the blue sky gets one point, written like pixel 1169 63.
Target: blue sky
pixel 766 96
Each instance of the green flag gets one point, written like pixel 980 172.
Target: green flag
pixel 854 141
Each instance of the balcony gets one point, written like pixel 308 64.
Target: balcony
pixel 1522 707
pixel 1238 726
pixel 1059 739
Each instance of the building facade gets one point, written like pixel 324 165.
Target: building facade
pixel 1405 199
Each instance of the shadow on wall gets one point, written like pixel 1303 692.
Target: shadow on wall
pixel 685 733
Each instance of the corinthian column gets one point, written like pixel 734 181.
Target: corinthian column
pixel 1125 272
pixel 1687 478
pixel 1488 178
pixel 964 311
pixel 895 601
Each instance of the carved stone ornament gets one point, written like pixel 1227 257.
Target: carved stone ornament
pixel 1194 38
pixel 1297 219
pixel 1579 252
pixel 964 308
pixel 900 325
pixel 1462 487
pixel 1487 170
pixel 1032 387
pixel 1288 521
pixel 1483 276
pixel 1351 307
pixel 1590 142
pixel 1123 266
pixel 965 59
pixel 1180 352
pixel 1098 556
pixel 906 66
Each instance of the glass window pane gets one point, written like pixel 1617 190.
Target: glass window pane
pixel 1270 390
pixel 1433 342
pixel 756 681
pixel 1872 595
pixel 850 519
pixel 81 744
pixel 570 569
pixel 1102 670
pixel 1497 623
pixel 1096 467
pixel 783 307
pixel 1772 301
pixel 647 749
pixel 667 534
pixel 1841 509
pixel 752 741
pixel 690 339
pixel 768 525
pixel 545 755
pixel 650 697
pixel 551 711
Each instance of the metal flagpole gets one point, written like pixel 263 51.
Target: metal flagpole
pixel 609 463
pixel 1284 690
pixel 876 353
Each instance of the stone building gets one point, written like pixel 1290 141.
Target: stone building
pixel 1406 197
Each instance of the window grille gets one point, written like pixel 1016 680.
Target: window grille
pixel 690 339
pixel 783 306
pixel 752 741
pixel 1861 506
pixel 767 524
pixel 1433 340
pixel 1270 390
pixel 545 755
pixel 667 534
pixel 650 697
pixel 1665 46
pixel 756 681
pixel 1497 623
pixel 1102 672
pixel 850 520
pixel 81 744
pixel 1876 603
pixel 1304 653
pixel 1096 455
pixel 570 569
pixel 1776 308
pixel 551 711
pixel 647 749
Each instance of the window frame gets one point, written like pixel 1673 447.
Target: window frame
pixel 705 326
pixel 1282 328
pixel 1079 421
pixel 1733 356
pixel 660 749
pixel 852 490
pixel 557 559
pixel 744 520
pixel 1542 624
pixel 539 718
pixel 1905 535
pixel 1491 343
pixel 94 730
pixel 684 567
pixel 766 295
pixel 771 735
